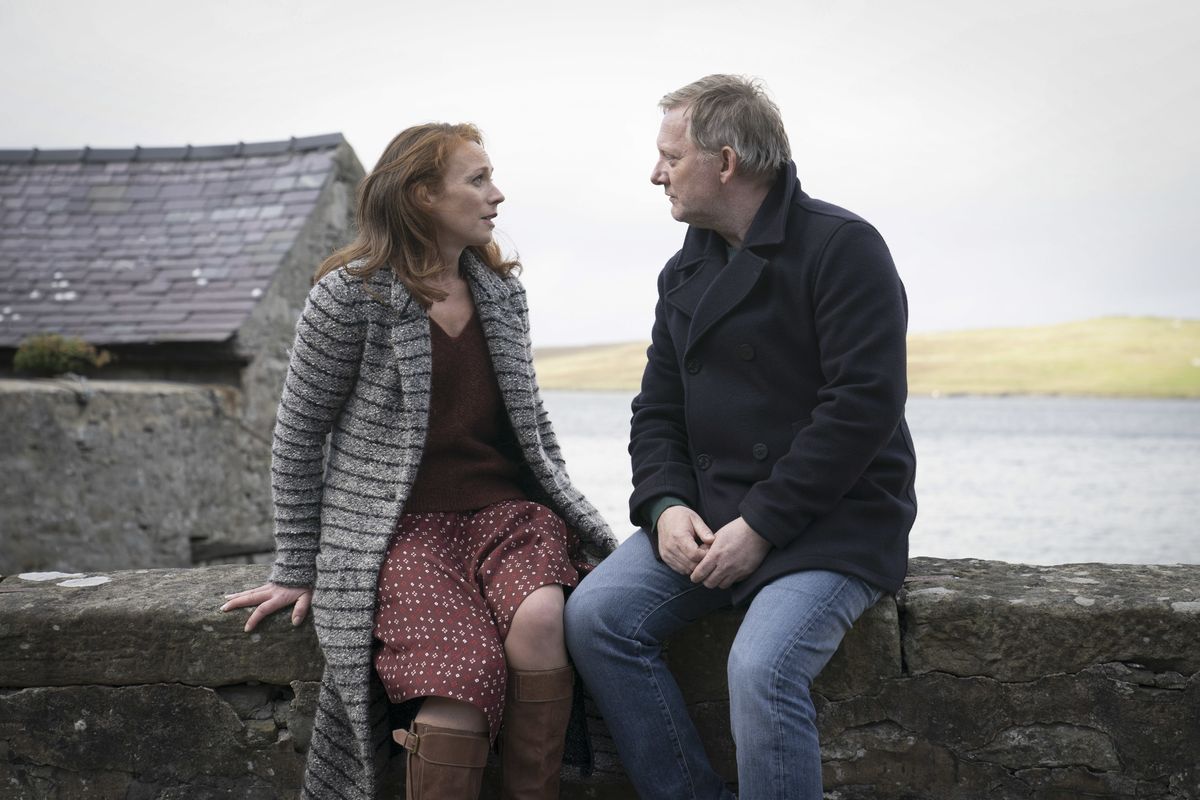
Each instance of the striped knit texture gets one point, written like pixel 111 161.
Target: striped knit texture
pixel 348 442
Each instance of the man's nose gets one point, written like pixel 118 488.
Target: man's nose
pixel 656 175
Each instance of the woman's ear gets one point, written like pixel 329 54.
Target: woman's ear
pixel 423 195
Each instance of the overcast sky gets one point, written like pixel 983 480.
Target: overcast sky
pixel 1027 162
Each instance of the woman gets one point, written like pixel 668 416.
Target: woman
pixel 444 503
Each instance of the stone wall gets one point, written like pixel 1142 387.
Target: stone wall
pixel 112 474
pixel 982 679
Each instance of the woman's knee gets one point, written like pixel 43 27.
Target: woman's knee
pixel 446 712
pixel 539 618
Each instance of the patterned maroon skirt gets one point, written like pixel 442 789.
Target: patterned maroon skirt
pixel 448 590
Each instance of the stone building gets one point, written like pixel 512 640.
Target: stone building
pixel 190 265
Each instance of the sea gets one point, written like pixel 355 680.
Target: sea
pixel 1035 480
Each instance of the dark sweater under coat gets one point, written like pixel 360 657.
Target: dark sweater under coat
pixel 775 390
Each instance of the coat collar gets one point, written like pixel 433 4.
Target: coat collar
pixel 486 287
pixel 769 226
pixel 485 283
pixel 715 287
pixel 410 328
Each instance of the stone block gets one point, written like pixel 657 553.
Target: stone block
pixel 1018 622
pixel 147 626
pixel 1107 731
pixel 156 741
pixel 123 474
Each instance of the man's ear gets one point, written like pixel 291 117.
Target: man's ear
pixel 729 163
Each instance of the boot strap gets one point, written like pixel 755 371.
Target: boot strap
pixel 541 686
pixel 446 747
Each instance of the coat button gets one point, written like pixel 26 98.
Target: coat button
pixel 759 451
pixel 703 461
pixel 692 365
pixel 746 352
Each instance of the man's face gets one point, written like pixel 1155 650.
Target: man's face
pixel 690 177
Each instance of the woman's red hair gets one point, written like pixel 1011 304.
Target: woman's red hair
pixel 395 228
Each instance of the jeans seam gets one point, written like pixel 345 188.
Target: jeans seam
pixel 777 674
pixel 664 707
pixel 665 710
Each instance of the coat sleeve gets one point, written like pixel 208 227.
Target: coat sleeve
pixel 860 315
pixel 658 442
pixel 322 369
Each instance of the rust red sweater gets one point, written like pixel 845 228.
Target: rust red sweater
pixel 464 466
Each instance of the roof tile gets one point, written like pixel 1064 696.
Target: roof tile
pixel 150 244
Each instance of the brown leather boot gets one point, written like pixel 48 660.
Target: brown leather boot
pixel 536 711
pixel 442 763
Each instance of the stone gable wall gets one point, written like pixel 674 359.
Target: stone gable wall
pixel 982 679
pixel 105 474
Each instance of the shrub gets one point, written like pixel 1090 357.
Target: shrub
pixel 49 354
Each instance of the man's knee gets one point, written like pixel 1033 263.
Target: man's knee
pixel 760 667
pixel 594 611
pixel 585 606
pixel 749 670
pixel 582 615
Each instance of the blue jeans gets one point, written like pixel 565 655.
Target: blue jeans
pixel 616 621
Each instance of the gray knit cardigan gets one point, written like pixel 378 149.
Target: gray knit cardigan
pixel 358 377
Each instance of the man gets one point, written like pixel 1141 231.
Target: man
pixel 772 466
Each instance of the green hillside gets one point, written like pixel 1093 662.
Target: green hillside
pixel 1112 356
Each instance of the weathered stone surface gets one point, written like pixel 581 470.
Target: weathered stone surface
pixel 114 475
pixel 1105 729
pixel 1101 727
pixel 145 741
pixel 1018 622
pixel 147 626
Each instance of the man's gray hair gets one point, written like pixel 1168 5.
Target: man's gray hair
pixel 734 110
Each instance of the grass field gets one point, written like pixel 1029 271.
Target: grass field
pixel 1111 356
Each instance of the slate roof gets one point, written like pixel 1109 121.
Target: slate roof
pixel 150 245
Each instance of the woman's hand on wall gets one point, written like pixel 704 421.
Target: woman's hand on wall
pixel 269 598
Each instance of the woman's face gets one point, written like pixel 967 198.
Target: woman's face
pixel 464 210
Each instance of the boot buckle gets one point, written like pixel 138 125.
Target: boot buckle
pixel 409 741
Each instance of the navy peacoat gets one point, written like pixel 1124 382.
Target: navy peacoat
pixel 775 390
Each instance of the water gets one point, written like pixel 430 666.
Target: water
pixel 1039 480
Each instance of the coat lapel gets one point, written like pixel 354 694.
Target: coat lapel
pixel 730 286
pixel 716 287
pixel 500 316
pixel 410 342
pixel 505 334
pixel 499 320
pixel 705 265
